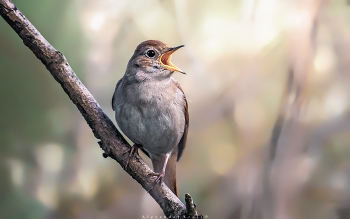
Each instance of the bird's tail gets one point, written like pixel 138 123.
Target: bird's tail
pixel 170 171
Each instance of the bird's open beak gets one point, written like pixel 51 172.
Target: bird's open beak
pixel 165 59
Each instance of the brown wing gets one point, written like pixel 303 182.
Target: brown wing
pixel 114 92
pixel 182 143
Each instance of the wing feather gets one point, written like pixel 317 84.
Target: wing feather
pixel 116 87
pixel 182 143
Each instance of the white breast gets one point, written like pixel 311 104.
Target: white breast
pixel 151 114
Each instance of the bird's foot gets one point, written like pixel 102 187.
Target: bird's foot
pixel 134 149
pixel 160 177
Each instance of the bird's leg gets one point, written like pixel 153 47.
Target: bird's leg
pixel 160 175
pixel 134 149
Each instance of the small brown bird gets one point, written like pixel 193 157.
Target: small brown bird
pixel 151 108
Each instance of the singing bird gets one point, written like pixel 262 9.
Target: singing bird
pixel 151 108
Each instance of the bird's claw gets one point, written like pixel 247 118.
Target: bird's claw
pixel 133 150
pixel 160 177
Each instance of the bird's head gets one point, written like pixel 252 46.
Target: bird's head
pixel 152 60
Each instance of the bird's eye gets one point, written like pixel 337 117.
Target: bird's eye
pixel 150 53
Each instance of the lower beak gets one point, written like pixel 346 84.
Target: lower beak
pixel 165 59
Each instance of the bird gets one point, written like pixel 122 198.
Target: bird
pixel 151 109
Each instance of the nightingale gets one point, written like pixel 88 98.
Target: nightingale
pixel 151 109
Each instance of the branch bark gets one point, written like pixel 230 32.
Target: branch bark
pixel 111 141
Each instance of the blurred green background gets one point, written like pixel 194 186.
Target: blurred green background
pixel 268 89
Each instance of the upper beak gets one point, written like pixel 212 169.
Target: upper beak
pixel 165 59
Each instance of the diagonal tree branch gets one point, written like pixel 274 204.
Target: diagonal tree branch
pixel 111 141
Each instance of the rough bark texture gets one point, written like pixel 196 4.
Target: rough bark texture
pixel 112 142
